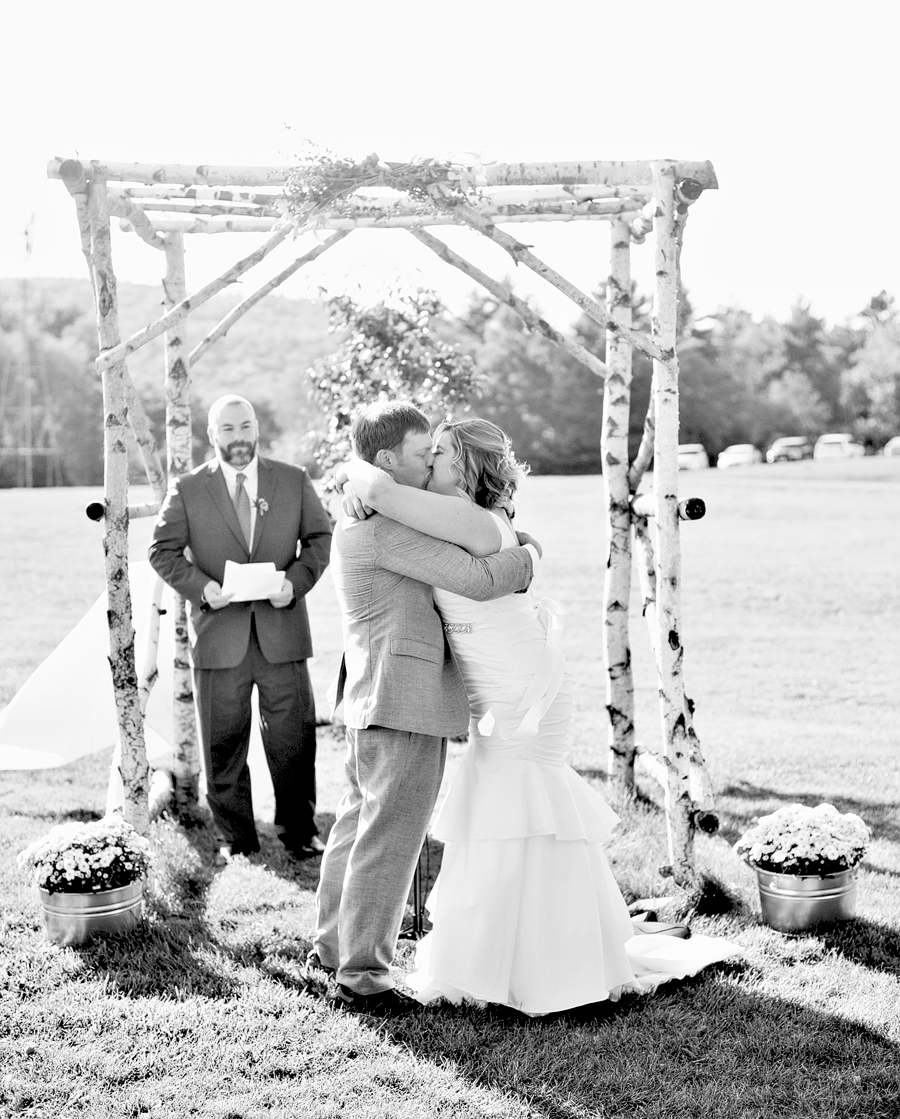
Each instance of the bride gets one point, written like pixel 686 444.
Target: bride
pixel 525 910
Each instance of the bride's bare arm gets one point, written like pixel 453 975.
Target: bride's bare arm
pixel 455 519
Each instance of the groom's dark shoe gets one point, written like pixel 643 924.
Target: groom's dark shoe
pixel 382 1004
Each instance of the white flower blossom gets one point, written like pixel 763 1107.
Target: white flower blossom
pixel 802 840
pixel 86 857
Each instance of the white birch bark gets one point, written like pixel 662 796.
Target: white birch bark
pixel 205 225
pixel 154 206
pixel 689 509
pixel 702 800
pixel 605 172
pixel 133 765
pixel 669 649
pixel 144 509
pixel 180 311
pixel 128 211
pixel 614 448
pixel 350 221
pixel 222 328
pixel 146 441
pixel 73 178
pixel 186 768
pixel 502 293
pixel 169 191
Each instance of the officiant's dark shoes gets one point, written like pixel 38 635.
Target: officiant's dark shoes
pixel 382 1004
pixel 229 851
pixel 305 849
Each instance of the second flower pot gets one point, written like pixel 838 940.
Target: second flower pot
pixel 796 902
pixel 74 918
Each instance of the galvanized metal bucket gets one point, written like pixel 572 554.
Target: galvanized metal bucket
pixel 74 919
pixel 795 902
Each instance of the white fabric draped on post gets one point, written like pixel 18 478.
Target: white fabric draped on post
pixel 66 708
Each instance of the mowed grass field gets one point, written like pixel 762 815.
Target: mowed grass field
pixel 791 619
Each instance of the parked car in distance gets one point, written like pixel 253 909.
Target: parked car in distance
pixel 692 456
pixel 839 444
pixel 739 454
pixel 892 447
pixel 790 448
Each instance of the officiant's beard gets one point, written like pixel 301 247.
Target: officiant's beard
pixel 238 453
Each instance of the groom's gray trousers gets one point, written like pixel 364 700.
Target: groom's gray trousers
pixel 393 781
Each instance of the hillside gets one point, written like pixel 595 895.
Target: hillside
pixel 264 356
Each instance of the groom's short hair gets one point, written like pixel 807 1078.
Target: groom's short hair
pixel 384 425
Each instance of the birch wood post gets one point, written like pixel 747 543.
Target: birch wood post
pixel 504 295
pixel 186 762
pixel 614 448
pixel 133 765
pixel 115 793
pixel 73 178
pixel 669 650
pixel 702 801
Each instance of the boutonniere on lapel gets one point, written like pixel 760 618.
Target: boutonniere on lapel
pixel 262 506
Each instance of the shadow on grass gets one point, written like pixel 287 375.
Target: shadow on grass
pixel 700 1047
pixel 868 943
pixel 881 818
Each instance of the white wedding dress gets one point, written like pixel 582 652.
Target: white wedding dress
pixel 525 910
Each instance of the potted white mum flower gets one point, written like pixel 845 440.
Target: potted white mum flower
pixel 90 878
pixel 805 860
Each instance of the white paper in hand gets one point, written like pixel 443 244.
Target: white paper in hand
pixel 246 582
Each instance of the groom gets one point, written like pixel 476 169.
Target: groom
pixel 403 696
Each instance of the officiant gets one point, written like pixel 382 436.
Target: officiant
pixel 242 507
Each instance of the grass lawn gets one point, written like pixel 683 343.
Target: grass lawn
pixel 791 615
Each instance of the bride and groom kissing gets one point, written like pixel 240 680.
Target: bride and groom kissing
pixel 442 636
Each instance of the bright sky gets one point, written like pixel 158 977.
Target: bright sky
pixel 793 101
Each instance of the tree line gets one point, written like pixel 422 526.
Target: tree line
pixel 743 378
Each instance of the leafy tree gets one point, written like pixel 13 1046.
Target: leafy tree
pixel 389 351
pixel 810 351
pixel 68 408
pixel 872 384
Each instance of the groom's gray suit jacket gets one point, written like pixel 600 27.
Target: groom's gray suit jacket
pixel 398 671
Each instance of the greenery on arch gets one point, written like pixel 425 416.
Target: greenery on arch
pixel 325 181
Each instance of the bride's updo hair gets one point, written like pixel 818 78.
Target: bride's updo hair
pixel 483 456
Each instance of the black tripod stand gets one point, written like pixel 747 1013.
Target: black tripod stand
pixel 417 929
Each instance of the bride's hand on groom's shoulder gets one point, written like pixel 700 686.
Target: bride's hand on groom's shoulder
pixel 353 506
pixel 525 538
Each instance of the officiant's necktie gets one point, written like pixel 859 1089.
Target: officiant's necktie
pixel 242 505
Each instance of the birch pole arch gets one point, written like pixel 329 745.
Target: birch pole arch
pixel 329 198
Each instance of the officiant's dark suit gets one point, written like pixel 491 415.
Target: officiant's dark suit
pixel 236 645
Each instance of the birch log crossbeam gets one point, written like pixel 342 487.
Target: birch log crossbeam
pixel 501 292
pixel 611 173
pixel 96 510
pixel 222 328
pixel 702 806
pixel 523 254
pixel 690 509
